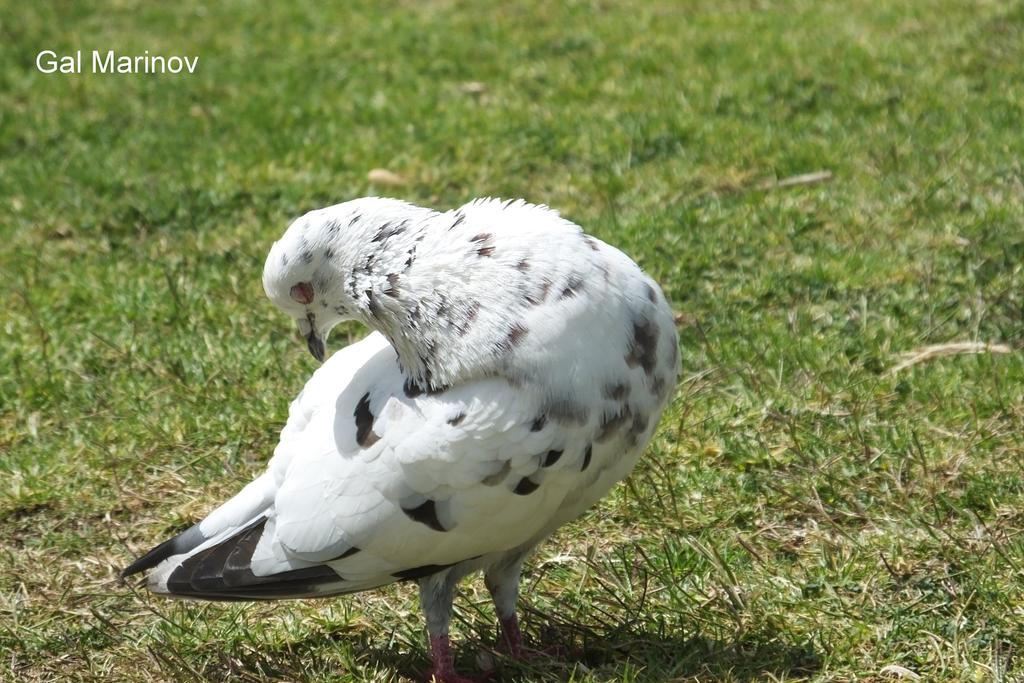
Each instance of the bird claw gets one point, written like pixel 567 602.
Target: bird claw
pixel 511 644
pixel 444 666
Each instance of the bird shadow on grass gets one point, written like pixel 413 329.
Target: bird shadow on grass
pixel 650 654
pixel 575 649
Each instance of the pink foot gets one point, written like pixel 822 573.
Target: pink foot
pixel 444 664
pixel 511 637
pixel 512 643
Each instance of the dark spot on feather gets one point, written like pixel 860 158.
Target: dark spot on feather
pixel 591 242
pixel 537 297
pixel 284 259
pixel 467 320
pixel 333 227
pixel 482 237
pixel 658 386
pixel 306 256
pixel 507 203
pixel 643 345
pixel 612 423
pixel 459 217
pixel 425 513
pixel 616 391
pixel 525 487
pixel 652 296
pixel 329 253
pixel 372 305
pixel 457 420
pixel 365 436
pixel 573 287
pixel 538 423
pixel 355 219
pixel 586 457
pixel 392 289
pixel 387 231
pixel 442 309
pixel 412 257
pixel 427 361
pixel 636 429
pixel 639 424
pixel 523 265
pixel 536 294
pixel 412 389
pixel 514 337
pixel 485 251
pixel 551 458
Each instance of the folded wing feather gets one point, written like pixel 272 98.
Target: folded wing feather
pixel 369 485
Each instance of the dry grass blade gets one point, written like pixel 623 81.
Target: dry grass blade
pixel 382 176
pixel 797 180
pixel 899 672
pixel 927 353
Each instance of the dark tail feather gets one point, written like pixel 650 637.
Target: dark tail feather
pixel 224 572
pixel 182 543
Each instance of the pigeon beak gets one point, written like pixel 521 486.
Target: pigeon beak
pixel 315 345
pixel 314 340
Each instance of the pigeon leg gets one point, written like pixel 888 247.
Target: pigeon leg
pixel 436 594
pixel 503 583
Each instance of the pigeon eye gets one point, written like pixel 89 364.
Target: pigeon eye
pixel 302 293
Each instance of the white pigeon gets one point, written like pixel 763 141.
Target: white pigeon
pixel 516 371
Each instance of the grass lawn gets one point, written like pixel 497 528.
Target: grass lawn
pixel 809 510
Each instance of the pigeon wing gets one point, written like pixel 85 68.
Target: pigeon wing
pixel 373 485
pixel 386 483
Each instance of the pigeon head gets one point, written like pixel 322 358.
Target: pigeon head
pixel 330 263
pixel 301 280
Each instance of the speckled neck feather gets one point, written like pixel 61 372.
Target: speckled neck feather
pixel 474 292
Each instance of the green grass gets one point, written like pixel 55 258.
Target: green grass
pixel 804 513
